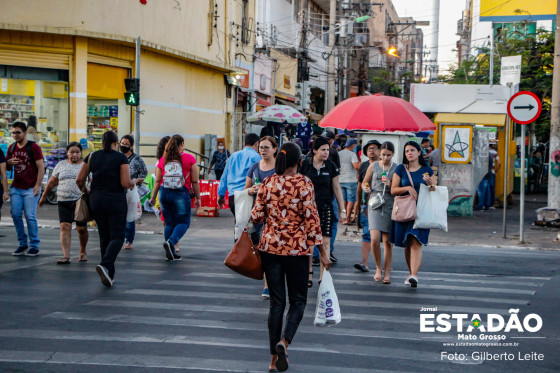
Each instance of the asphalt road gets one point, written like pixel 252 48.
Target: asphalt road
pixel 198 316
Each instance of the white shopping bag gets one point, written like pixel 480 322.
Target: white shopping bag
pixel 328 309
pixel 431 209
pixel 134 206
pixel 243 209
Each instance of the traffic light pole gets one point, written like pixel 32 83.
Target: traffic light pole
pixel 137 107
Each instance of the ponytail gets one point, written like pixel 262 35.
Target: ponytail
pixel 288 156
pixel 108 139
pixel 171 152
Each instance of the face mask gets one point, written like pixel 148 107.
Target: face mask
pixel 220 148
pixel 125 149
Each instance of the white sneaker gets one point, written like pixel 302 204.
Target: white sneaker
pixel 406 282
pixel 413 281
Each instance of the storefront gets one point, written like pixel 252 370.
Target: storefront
pixel 38 97
pixel 106 109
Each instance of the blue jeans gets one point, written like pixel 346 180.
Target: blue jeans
pixel 24 202
pixel 349 191
pixel 129 232
pixel 486 192
pixel 176 210
pixel 366 236
pixel 334 230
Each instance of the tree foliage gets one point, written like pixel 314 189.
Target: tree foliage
pixel 537 51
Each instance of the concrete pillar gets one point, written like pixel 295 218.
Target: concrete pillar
pixel 78 90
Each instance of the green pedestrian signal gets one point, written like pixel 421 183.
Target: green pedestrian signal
pixel 132 98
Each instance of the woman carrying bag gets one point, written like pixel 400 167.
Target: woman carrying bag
pixel 380 205
pixel 285 205
pixel 176 177
pixel 407 179
pixel 107 200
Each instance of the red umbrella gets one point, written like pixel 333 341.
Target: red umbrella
pixel 377 113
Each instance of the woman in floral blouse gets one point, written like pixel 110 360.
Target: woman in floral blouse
pixel 285 204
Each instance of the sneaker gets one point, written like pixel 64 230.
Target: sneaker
pixel 104 275
pixel 32 252
pixel 413 282
pixel 169 249
pixel 176 257
pixel 333 258
pixel 265 294
pixel 407 282
pixel 315 262
pixel 20 251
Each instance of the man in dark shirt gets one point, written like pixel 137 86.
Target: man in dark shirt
pixel 371 149
pixel 26 159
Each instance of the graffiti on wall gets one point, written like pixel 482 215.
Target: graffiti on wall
pixel 457 144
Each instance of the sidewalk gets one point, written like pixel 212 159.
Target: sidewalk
pixel 484 229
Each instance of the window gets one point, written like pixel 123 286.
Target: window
pixel 246 23
pixel 513 30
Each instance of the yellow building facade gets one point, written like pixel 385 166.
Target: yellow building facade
pixel 66 65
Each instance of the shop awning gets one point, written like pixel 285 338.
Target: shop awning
pixel 497 120
pixel 314 116
pixel 286 102
pixel 262 102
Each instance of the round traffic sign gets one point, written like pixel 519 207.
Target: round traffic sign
pixel 524 107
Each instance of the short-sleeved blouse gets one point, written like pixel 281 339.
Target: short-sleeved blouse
pixel 187 161
pixel 66 173
pixel 285 204
pixel 417 176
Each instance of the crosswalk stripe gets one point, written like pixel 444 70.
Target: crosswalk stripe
pixel 304 327
pixel 161 362
pixel 371 291
pixel 422 285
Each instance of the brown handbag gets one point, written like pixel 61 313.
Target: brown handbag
pixel 404 207
pixel 81 210
pixel 244 258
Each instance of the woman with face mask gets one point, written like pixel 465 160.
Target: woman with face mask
pixel 219 160
pixel 64 176
pixel 138 173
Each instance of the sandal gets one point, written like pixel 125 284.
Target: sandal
pixel 63 261
pixel 361 267
pixel 310 282
pixel 386 281
pixel 82 258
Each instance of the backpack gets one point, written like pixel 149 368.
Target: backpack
pixel 28 148
pixel 173 178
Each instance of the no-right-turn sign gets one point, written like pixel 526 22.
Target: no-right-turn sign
pixel 524 107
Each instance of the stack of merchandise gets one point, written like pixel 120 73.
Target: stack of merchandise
pixel 54 156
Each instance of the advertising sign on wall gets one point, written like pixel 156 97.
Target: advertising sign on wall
pixel 457 144
pixel 517 10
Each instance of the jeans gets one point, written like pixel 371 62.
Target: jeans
pixel 176 210
pixel 281 270
pixel 130 231
pixel 109 212
pixel 486 191
pixel 24 202
pixel 334 230
pixel 349 191
pixel 366 236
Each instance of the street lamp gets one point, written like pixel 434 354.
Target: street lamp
pixel 393 52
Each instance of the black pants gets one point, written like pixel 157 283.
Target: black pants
pixel 109 212
pixel 218 173
pixel 281 270
pixel 232 205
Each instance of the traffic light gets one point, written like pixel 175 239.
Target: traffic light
pixel 299 93
pixel 132 95
pixel 306 99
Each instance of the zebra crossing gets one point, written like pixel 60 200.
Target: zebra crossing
pixel 197 315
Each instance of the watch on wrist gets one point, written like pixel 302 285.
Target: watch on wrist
pixel 344 211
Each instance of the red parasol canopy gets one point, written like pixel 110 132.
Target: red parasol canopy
pixel 377 113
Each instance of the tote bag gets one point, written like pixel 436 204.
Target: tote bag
pixel 244 258
pixel 404 207
pixel 432 208
pixel 81 209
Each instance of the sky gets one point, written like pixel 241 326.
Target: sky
pixel 450 13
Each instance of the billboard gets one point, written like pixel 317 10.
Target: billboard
pixel 517 10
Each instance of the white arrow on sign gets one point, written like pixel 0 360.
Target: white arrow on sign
pixel 524 107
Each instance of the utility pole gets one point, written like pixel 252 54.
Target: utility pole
pixel 331 73
pixel 137 108
pixel 554 144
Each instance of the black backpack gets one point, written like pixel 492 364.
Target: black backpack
pixel 28 148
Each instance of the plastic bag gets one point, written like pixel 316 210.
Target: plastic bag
pixel 328 310
pixel 431 210
pixel 243 209
pixel 134 206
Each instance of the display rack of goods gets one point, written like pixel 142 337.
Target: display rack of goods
pixel 54 156
pixel 12 106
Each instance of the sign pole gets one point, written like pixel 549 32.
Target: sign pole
pixel 137 108
pixel 506 167
pixel 522 182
